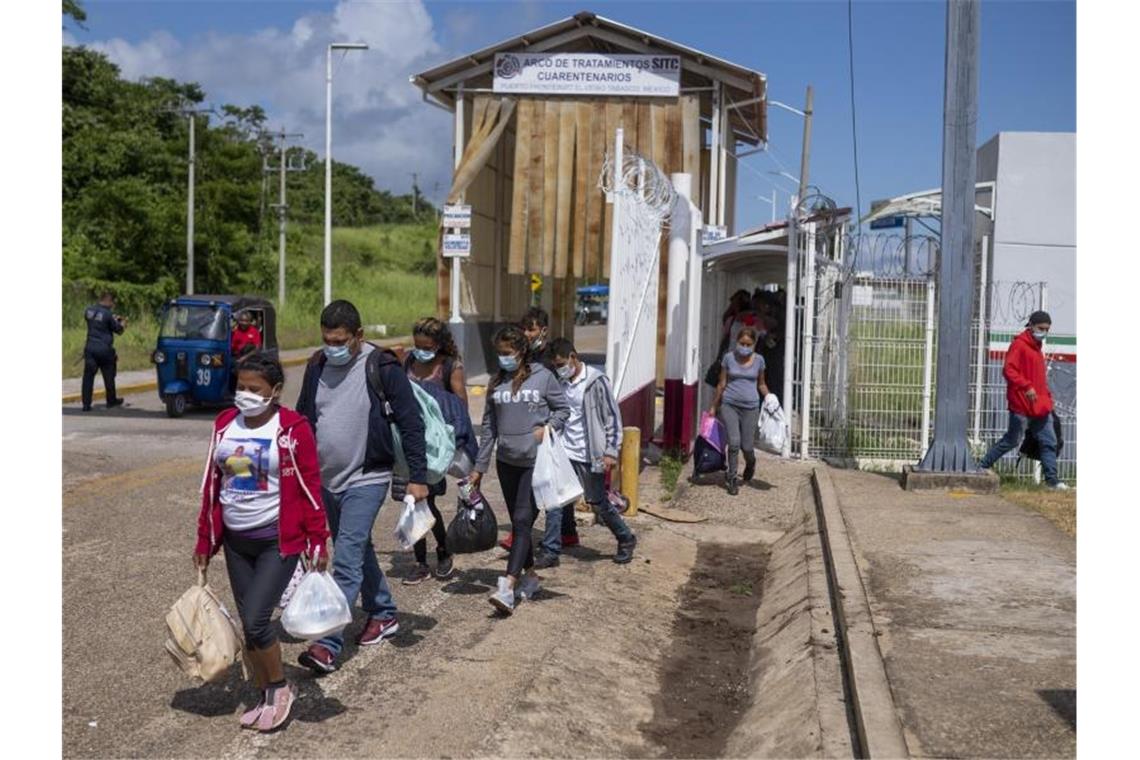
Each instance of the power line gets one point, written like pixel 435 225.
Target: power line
pixel 851 71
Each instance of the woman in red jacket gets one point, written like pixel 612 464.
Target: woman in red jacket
pixel 1030 403
pixel 261 502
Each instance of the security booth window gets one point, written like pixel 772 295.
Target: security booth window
pixel 195 322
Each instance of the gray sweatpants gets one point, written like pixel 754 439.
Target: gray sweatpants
pixel 741 426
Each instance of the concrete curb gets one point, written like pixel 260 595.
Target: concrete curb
pixel 151 385
pixel 877 726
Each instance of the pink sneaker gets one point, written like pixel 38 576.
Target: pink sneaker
pixel 274 715
pixel 249 717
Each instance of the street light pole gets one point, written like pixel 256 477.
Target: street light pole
pixel 805 152
pixel 328 158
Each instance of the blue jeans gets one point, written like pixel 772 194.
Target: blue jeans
pixel 559 522
pixel 1039 427
pixel 354 566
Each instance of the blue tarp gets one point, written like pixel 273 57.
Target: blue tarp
pixel 594 290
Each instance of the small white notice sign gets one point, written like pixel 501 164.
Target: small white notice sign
pixel 862 295
pixel 457 217
pixel 456 246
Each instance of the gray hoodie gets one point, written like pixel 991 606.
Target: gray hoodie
pixel 510 418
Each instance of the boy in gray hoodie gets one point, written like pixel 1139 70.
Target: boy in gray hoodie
pixel 522 400
pixel 592 439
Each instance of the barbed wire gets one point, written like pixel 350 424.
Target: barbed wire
pixel 643 181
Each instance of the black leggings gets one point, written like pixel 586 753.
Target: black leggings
pixel 438 530
pixel 515 482
pixel 258 577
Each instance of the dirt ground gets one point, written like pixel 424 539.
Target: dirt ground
pixel 594 666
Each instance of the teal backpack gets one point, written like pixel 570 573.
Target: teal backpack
pixel 439 436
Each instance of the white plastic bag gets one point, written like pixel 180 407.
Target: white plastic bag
pixel 318 608
pixel 773 426
pixel 414 523
pixel 554 483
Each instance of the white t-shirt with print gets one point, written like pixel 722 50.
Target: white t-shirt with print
pixel 248 459
pixel 574 434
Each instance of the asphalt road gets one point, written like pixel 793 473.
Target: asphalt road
pixel 576 672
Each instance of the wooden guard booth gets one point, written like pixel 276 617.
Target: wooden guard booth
pixel 529 165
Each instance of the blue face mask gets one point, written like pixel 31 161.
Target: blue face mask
pixel 423 355
pixel 508 363
pixel 338 356
pixel 744 350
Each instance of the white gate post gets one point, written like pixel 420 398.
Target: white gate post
pixel 615 199
pixel 805 354
pixel 790 330
pixel 983 337
pixel 927 366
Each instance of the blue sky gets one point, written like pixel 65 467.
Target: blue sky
pixel 269 52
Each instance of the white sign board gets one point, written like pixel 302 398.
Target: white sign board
pixel 862 295
pixel 657 76
pixel 456 246
pixel 457 217
pixel 712 233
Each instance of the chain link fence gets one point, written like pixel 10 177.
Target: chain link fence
pixel 872 349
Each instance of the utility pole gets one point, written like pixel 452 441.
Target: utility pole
pixel 328 158
pixel 187 109
pixel 415 194
pixel 281 206
pixel 805 153
pixel 949 451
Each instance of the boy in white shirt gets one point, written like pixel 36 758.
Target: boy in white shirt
pixel 592 438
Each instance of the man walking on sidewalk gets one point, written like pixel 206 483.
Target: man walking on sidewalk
pixel 1030 402
pixel 99 352
pixel 355 446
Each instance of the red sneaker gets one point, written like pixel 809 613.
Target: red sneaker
pixel 318 659
pixel 508 541
pixel 569 539
pixel 376 630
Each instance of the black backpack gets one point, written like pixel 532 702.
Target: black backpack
pixel 1031 447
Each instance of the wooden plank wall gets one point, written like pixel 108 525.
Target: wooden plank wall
pixel 561 225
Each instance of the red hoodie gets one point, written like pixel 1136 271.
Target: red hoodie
pixel 1025 369
pixel 301 522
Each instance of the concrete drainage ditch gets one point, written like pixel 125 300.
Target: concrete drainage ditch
pixel 754 668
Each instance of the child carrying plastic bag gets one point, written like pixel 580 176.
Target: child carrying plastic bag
pixel 555 484
pixel 773 426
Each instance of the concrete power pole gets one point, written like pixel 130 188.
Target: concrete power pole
pixel 282 207
pixel 805 155
pixel 949 451
pixel 415 194
pixel 191 113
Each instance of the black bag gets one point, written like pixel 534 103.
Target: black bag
pixel 1031 448
pixel 706 458
pixel 474 528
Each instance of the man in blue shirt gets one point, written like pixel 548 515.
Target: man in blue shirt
pixel 99 352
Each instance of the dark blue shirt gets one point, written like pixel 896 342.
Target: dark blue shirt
pixel 101 327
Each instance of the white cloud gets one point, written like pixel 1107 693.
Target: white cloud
pixel 379 121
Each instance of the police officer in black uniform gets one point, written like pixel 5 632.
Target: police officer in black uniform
pixel 99 353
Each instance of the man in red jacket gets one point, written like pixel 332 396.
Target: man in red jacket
pixel 1030 403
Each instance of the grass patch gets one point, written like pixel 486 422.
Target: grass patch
pixel 388 271
pixel 670 466
pixel 744 588
pixel 1059 507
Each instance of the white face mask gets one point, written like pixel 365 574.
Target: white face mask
pixel 251 404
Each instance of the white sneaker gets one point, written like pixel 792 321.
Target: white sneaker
pixel 1059 486
pixel 504 599
pixel 527 587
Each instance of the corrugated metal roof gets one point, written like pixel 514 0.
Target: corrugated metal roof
pixel 589 31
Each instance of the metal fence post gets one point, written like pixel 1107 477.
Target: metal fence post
pixel 1042 303
pixel 983 335
pixel 927 365
pixel 809 335
pixel 790 330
